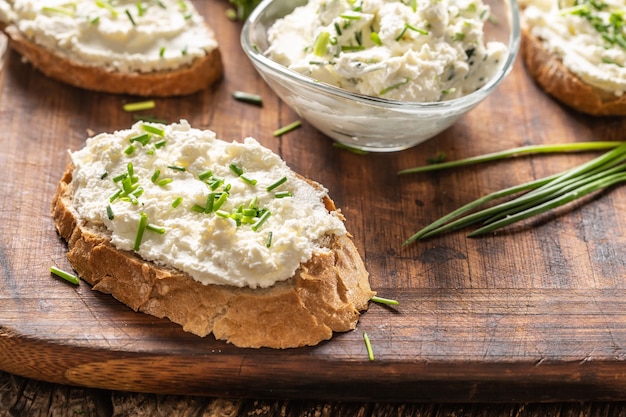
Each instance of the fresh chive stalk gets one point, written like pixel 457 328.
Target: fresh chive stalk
pixel 248 98
pixel 277 184
pixel 538 196
pixel 154 130
pixel 368 346
pixel 141 228
pixel 386 301
pixel 139 105
pixel 288 128
pixel 65 275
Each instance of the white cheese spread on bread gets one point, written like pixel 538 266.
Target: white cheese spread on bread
pixel 419 51
pixel 223 212
pixel 587 36
pixel 120 35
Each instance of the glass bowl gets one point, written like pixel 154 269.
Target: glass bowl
pixel 364 122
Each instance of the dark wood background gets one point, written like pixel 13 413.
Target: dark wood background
pixel 536 313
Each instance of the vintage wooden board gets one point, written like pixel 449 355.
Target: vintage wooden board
pixel 537 312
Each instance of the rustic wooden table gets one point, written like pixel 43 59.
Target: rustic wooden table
pixel 492 326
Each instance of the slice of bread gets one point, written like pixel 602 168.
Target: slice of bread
pixel 558 81
pixel 326 294
pixel 56 59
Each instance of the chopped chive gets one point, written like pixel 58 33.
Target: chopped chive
pixel 160 144
pixel 261 220
pixel 162 52
pixel 268 241
pixel 248 98
pixel 205 175
pixel 350 16
pixel 177 168
pixel 120 177
pixel 276 184
pixel 104 175
pixel 288 128
pixel 223 214
pixel 130 17
pixel 221 200
pixel 154 130
pixel 154 228
pixel 115 196
pixel 368 346
pixel 197 208
pixel 143 223
pixel 110 214
pixel 143 139
pixel 210 201
pixel 321 44
pixel 282 194
pixel 163 182
pixel 350 148
pixel 65 275
pixel 247 180
pixel 236 169
pixel 393 87
pixel 382 300
pixel 155 176
pixel 107 5
pixel 376 39
pixel 59 9
pixel 177 202
pixel 139 105
pixel 408 26
pixel 130 150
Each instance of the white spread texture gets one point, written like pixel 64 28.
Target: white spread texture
pixel 385 48
pixel 120 35
pixel 210 248
pixel 569 32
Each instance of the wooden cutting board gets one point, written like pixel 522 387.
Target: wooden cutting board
pixel 533 313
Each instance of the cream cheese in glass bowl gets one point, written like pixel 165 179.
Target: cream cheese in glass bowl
pixel 382 75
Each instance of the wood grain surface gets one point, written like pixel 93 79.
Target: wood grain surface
pixel 533 313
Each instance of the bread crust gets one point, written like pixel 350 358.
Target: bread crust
pixel 326 294
pixel 555 79
pixel 190 79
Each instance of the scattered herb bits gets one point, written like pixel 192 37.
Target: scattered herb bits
pixel 250 98
pixel 288 128
pixel 139 105
pixel 65 275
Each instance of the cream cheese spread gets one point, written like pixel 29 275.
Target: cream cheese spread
pixel 589 38
pixel 226 213
pixel 417 50
pixel 120 35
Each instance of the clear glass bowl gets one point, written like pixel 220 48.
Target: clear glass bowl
pixel 364 122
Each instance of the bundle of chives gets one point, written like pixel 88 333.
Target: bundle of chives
pixel 537 196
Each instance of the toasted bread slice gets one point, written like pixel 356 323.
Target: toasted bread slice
pixel 325 295
pixel 557 80
pixel 50 57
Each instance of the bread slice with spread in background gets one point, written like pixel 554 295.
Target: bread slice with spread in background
pixel 576 52
pixel 147 48
pixel 219 237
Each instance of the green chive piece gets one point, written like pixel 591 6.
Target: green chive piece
pixel 143 223
pixel 236 169
pixel 221 200
pixel 268 241
pixel 393 86
pixel 276 184
pixel 160 144
pixel 120 177
pixel 155 176
pixel 368 346
pixel 157 229
pixel 154 130
pixel 376 39
pixel 177 168
pixel 386 301
pixel 282 194
pixel 107 5
pixel 197 208
pixel 143 139
pixel 247 180
pixel 261 220
pixel 164 182
pixel 59 9
pixel 110 214
pixel 348 148
pixel 210 202
pixel 162 52
pixel 321 44
pixel 65 275
pixel 248 98
pixel 177 202
pixel 130 150
pixel 130 17
pixel 104 175
pixel 139 105
pixel 203 176
pixel 286 129
pixel 115 196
